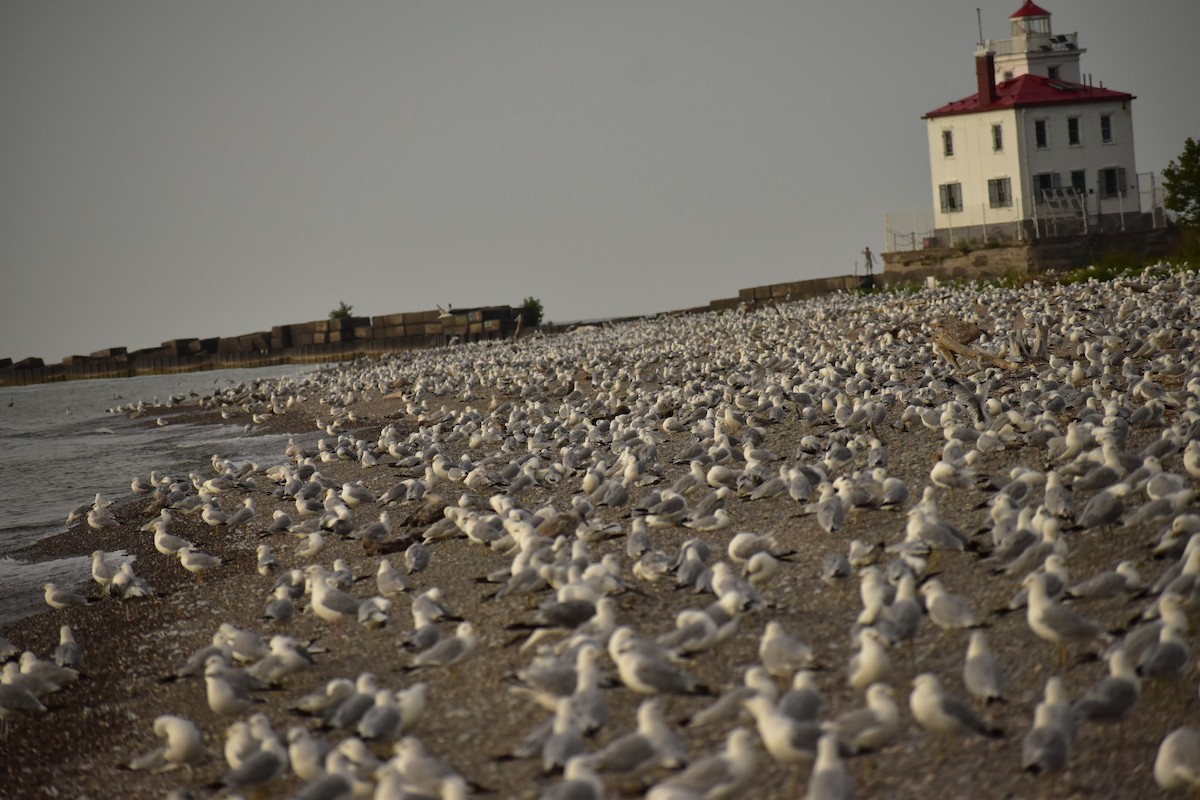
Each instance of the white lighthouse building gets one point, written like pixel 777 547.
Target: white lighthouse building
pixel 1037 150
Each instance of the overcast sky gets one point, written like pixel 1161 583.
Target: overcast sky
pixel 216 167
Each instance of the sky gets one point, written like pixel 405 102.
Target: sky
pixel 173 169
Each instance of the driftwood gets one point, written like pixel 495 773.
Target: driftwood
pixel 948 347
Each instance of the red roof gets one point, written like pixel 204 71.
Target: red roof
pixel 1030 9
pixel 1031 90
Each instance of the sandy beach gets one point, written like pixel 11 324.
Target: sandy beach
pixel 473 720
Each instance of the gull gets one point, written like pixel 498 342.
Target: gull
pixel 265 765
pixel 1045 748
pixel 651 745
pixel 646 671
pixel 802 701
pixel 242 515
pixel 225 698
pixel 829 779
pixel 871 728
pixel 871 662
pixel 1113 698
pixel 383 721
pixel 314 542
pixel 280 607
pixel 744 545
pixel 375 612
pixel 1105 507
pixel 947 611
pixel 184 746
pixel 728 707
pixel 245 646
pixel 760 569
pixel 725 774
pixel 101 519
pixel 16 699
pixel 125 584
pixel 416 557
pixel 331 603
pixel 1177 764
pixel 565 740
pixel 1166 658
pixel 939 712
pixel 306 754
pixel 286 657
pixel 196 562
pixel 782 654
pixel 344 714
pixel 102 571
pixel 1124 579
pixel 982 674
pixel 168 543
pixel 423 774
pixel 63 598
pixel 1053 621
pixel 390 581
pixel 702 629
pixel 448 651
pixel 580 782
pixel 44 670
pixel 267 563
pixel 68 653
pixel 788 740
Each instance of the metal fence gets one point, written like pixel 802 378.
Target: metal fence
pixel 1063 212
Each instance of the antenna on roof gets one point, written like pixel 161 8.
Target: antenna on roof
pixel 979 20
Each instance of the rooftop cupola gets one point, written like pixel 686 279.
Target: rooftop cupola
pixel 1030 20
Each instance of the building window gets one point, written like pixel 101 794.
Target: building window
pixel 997 138
pixel 1112 182
pixel 1052 73
pixel 1106 135
pixel 947 143
pixel 1000 192
pixel 1008 76
pixel 951 196
pixel 1073 131
pixel 1044 182
pixel 1079 180
pixel 1040 137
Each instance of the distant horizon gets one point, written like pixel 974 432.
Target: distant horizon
pixel 189 167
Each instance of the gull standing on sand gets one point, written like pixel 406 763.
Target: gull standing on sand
pixel 1113 698
pixel 725 774
pixel 829 779
pixel 982 674
pixel 788 740
pixel 1177 765
pixel 947 611
pixel 62 598
pixel 68 653
pixel 939 712
pixel 196 562
pixel 870 728
pixel 781 653
pixel 450 650
pixel 871 663
pixel 1053 621
pixel 1046 746
pixel 102 571
pixel 184 746
pixel 331 603
pixel 645 671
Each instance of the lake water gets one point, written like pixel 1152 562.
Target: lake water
pixel 61 445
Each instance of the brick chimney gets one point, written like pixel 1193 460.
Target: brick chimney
pixel 985 77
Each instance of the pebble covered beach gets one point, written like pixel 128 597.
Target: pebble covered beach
pixel 599 465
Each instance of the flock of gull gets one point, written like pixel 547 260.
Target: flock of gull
pixel 771 535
